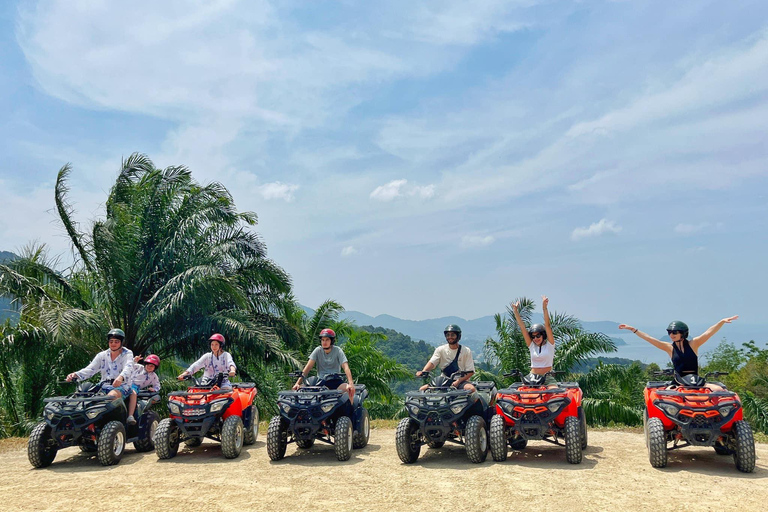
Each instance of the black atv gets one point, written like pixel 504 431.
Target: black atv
pixel 95 422
pixel 442 413
pixel 315 412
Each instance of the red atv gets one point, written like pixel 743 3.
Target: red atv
pixel 687 412
pixel 227 415
pixel 530 410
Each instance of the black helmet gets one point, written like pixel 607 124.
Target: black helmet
pixel 116 333
pixel 677 325
pixel 538 328
pixel 453 328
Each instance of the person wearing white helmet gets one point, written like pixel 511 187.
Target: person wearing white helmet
pixel 214 362
pixel 115 364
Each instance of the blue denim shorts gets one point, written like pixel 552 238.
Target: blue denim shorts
pixel 125 390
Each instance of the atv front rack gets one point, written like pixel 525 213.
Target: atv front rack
pixel 100 398
pixel 539 392
pixel 200 393
pixel 719 394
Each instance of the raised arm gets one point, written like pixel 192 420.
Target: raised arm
pixel 520 323
pixel 702 338
pixel 666 347
pixel 547 323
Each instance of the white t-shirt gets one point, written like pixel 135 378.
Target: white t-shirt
pixel 444 356
pixel 544 357
pixel 122 366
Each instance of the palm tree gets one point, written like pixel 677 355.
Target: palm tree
pixel 172 262
pixel 303 330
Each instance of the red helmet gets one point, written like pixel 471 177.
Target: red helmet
pixel 327 333
pixel 218 337
pixel 152 359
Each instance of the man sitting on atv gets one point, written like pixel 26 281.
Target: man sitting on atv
pixel 452 358
pixel 143 376
pixel 115 364
pixel 540 341
pixel 330 359
pixel 215 362
pixel 684 353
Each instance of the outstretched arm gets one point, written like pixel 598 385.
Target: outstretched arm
pixel 701 339
pixel 547 323
pixel 666 347
pixel 520 323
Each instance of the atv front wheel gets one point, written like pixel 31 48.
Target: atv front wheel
pixel 232 437
pixel 657 443
pixel 167 439
pixel 573 440
pixel 363 432
pixel 147 443
pixel 253 431
pixel 277 438
pixel 498 438
pixel 744 452
pixel 111 443
pixel 583 428
pixel 342 441
pixel 406 442
pixel 476 439
pixel 41 447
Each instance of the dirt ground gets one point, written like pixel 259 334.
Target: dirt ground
pixel 614 475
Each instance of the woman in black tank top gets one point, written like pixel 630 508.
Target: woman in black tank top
pixel 684 353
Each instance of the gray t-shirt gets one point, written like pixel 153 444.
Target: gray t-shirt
pixel 328 363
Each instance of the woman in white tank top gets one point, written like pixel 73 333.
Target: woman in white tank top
pixel 540 341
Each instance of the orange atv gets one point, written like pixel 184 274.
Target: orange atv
pixel 687 412
pixel 532 410
pixel 227 415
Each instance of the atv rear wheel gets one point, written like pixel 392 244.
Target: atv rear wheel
pixel 363 432
pixel 192 442
pixel 407 444
pixel 583 428
pixel 342 441
pixel 498 438
pixel 232 434
pixel 435 444
pixel 305 444
pixel 518 443
pixel 744 452
pixel 147 443
pixel 253 431
pixel 277 438
pixel 167 439
pixel 41 447
pixel 476 439
pixel 111 443
pixel 573 440
pixel 657 443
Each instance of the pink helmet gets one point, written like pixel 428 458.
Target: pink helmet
pixel 218 337
pixel 152 359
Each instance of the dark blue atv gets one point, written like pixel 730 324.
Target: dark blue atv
pixel 442 413
pixel 95 422
pixel 315 412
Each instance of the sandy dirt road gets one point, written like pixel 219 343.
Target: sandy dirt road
pixel 615 475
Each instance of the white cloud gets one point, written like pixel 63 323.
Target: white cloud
pixel 425 192
pixel 278 190
pixel 477 241
pixel 389 191
pixel 596 229
pixel 349 251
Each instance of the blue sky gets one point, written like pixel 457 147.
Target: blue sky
pixel 422 159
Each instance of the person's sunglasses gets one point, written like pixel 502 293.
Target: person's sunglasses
pixel 674 332
pixel 537 335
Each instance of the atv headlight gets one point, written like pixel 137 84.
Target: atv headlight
pixel 554 406
pixel 92 413
pixel 669 409
pixel 507 407
pixel 456 407
pixel 327 406
pixel 413 409
pixel 174 408
pixel 218 405
pixel 49 413
pixel 285 407
pixel 725 410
